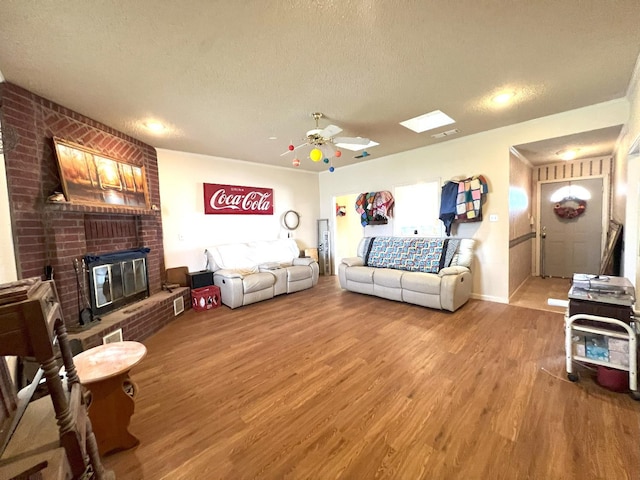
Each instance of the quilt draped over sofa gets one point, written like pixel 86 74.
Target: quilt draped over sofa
pixel 432 272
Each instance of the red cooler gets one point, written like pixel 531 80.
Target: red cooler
pixel 612 379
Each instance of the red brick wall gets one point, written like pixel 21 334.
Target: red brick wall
pixel 146 322
pixel 112 232
pixel 56 234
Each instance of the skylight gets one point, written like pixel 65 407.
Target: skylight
pixel 428 121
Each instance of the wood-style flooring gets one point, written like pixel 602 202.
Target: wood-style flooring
pixel 325 384
pixel 535 292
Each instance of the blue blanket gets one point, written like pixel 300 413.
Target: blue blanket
pixel 411 254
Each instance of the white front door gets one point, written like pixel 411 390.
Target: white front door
pixel 571 245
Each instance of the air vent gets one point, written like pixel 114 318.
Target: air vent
pixel 115 336
pixel 453 131
pixel 178 306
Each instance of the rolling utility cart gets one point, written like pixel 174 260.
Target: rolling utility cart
pixel 601 327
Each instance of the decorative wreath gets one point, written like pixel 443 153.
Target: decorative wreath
pixel 570 207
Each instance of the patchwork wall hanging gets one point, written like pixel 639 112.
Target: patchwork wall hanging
pixel 375 208
pixel 462 200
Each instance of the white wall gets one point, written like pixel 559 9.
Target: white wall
pixel 631 253
pixel 520 208
pixel 633 96
pixel 187 231
pixel 630 189
pixel 8 271
pixel 485 153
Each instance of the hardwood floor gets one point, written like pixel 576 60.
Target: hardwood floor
pixel 326 383
pixel 535 292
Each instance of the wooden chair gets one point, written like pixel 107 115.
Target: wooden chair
pixel 31 325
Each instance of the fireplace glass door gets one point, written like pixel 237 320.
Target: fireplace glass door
pixel 117 279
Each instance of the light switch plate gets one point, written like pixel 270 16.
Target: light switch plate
pixel 493 217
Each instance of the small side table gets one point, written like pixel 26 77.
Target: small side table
pixel 104 370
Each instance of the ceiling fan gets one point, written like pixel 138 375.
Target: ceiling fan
pixel 319 137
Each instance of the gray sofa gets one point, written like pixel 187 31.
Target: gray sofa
pixel 431 272
pixel 254 271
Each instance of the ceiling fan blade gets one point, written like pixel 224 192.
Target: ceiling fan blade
pixel 329 131
pixel 351 140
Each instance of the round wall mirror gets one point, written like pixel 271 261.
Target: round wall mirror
pixel 291 219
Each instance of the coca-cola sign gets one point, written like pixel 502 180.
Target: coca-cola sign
pixel 234 199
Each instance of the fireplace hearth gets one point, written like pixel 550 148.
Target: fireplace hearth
pixel 117 279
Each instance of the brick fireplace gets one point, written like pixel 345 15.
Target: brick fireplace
pixel 55 234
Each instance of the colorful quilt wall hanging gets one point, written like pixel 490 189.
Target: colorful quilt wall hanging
pixel 375 208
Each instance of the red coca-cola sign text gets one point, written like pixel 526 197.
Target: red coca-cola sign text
pixel 234 199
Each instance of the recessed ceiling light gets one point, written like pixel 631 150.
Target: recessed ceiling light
pixel 154 126
pixel 428 121
pixel 568 154
pixel 273 138
pixel 356 147
pixel 503 98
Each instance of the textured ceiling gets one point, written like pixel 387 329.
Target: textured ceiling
pixel 227 75
pixel 591 144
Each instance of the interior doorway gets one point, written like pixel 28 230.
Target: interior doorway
pixel 348 228
pixel 571 227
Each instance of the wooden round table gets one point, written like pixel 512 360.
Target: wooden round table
pixel 104 370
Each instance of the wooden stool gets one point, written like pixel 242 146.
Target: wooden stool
pixel 104 371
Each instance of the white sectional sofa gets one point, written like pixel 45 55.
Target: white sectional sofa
pixel 431 272
pixel 254 271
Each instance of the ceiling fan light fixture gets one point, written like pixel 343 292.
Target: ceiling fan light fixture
pixel 314 132
pixel 428 121
pixel 324 144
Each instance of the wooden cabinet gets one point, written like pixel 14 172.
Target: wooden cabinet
pixel 31 325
